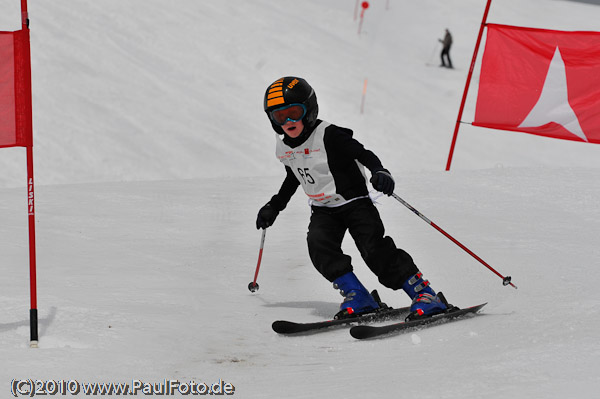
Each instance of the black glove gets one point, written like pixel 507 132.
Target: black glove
pixel 383 181
pixel 266 216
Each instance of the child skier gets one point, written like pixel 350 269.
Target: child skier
pixel 329 164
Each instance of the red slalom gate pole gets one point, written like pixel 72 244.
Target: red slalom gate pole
pixel 364 5
pixel 467 84
pixel 364 93
pixel 253 286
pixel 505 280
pixel 33 312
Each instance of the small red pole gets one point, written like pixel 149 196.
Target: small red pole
pixel 464 97
pixel 365 5
pixel 364 93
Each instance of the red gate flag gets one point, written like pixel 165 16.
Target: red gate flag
pixel 538 81
pixel 15 90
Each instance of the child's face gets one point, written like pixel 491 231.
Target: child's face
pixel 293 129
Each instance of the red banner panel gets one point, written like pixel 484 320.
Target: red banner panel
pixel 15 89
pixel 538 81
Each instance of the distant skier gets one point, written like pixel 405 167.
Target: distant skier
pixel 329 164
pixel 446 44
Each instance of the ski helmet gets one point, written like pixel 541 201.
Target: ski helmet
pixel 291 90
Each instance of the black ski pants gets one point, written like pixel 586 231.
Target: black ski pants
pixel 392 265
pixel 446 52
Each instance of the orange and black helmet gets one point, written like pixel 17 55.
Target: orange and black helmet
pixel 286 92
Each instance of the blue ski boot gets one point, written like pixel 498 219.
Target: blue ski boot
pixel 356 297
pixel 425 302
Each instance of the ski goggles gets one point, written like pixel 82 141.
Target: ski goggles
pixel 292 112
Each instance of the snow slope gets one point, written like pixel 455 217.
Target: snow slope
pixel 143 90
pixel 153 155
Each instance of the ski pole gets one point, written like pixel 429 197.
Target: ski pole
pixel 253 286
pixel 505 280
pixel 435 50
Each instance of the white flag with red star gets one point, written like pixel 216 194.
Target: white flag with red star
pixel 538 81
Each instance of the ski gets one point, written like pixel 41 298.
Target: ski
pixel 454 313
pixel 385 314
